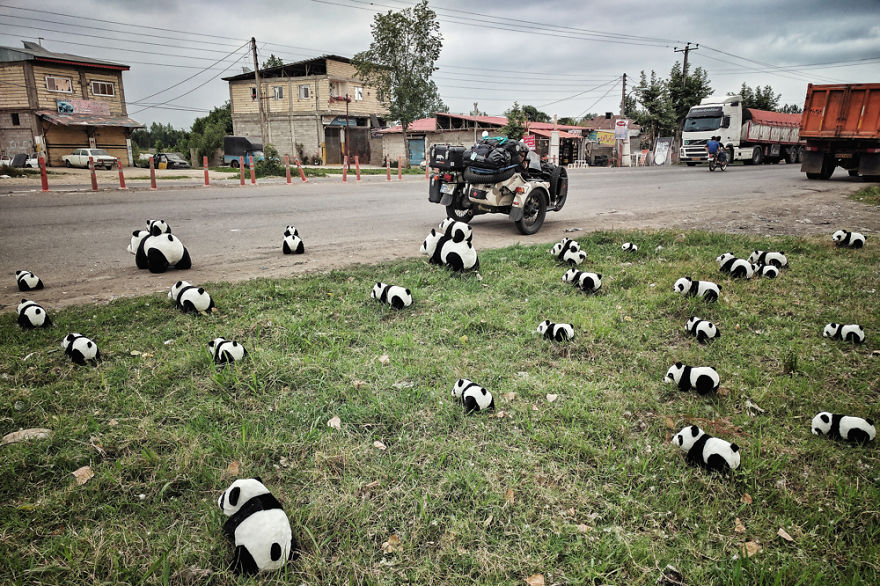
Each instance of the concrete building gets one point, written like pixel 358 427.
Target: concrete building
pixel 309 105
pixel 54 103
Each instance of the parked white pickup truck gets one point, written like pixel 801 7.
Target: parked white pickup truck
pixel 80 158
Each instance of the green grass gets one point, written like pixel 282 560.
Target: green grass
pixel 585 490
pixel 869 195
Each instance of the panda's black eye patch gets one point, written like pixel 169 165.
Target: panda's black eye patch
pixel 233 496
pixel 824 418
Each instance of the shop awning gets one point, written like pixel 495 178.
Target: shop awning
pixel 87 119
pixel 546 133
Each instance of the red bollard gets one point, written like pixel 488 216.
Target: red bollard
pixel 302 173
pixel 92 171
pixel 253 172
pixel 344 169
pixel 121 176
pixel 205 165
pixel 357 167
pixel 152 174
pixel 387 170
pixel 400 168
pixel 287 167
pixel 427 170
pixel 241 168
pixel 43 178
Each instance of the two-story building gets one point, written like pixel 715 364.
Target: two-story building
pixel 53 103
pixel 312 107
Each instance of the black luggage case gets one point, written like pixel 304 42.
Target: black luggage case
pixel 447 157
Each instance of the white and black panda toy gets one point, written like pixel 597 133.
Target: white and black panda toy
pixel 27 281
pixel 702 329
pixel 768 257
pixel 853 429
pixel 563 245
pixel 429 246
pixel 850 332
pixel 586 282
pixel 738 268
pixel 257 525
pixel 472 396
pixel 769 271
pixel 395 296
pixel 458 231
pixel 225 351
pixel 32 315
pixel 292 244
pixel 629 247
pixel 136 237
pixel 703 379
pixel 190 299
pixel 568 251
pixel 158 253
pixel 80 349
pixel 707 451
pixel 458 256
pixel 557 332
pixel 704 289
pixel 157 227
pixel 847 239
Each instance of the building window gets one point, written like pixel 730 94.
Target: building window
pixel 253 94
pixel 59 84
pixel 305 91
pixel 15 119
pixel 103 88
pixel 358 94
pixel 278 91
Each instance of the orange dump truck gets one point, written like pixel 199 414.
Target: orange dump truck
pixel 841 126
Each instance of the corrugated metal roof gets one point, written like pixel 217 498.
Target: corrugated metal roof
pixel 35 52
pixel 422 125
pixel 87 119
pixel 546 133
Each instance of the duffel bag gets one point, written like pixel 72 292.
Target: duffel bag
pixel 447 156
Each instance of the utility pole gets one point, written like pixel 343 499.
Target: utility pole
pixel 259 91
pixel 623 97
pixel 684 68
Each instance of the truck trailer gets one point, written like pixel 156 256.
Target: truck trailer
pixel 749 135
pixel 841 125
pixel 240 146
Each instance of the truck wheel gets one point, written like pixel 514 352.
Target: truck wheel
pixel 233 163
pixel 534 212
pixel 826 171
pixel 460 214
pixel 757 156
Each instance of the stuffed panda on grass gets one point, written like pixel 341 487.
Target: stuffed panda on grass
pixel 586 282
pixel 257 525
pixel 27 281
pixel 472 396
pixel 395 296
pixel 854 429
pixel 629 247
pixel 557 332
pixel 707 451
pixel 225 351
pixel 80 349
pixel 32 315
pixel 190 299
pixel 850 332
pixel 703 379
pixel 443 250
pixel 768 257
pixel 568 251
pixel 847 239
pixel 769 271
pixel 738 268
pixel 702 329
pixel 458 231
pixel 704 289
pixel 158 253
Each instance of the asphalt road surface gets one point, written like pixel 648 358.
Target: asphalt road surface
pixel 76 241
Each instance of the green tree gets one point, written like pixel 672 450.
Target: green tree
pixel 271 62
pixel 535 115
pixel 208 131
pixel 568 121
pixel 686 92
pixel 654 111
pixel 516 123
pixel 792 109
pixel 759 98
pixel 400 61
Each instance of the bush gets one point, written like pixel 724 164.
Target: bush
pixel 271 165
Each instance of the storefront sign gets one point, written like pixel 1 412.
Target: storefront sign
pixel 620 128
pixel 529 140
pixel 83 107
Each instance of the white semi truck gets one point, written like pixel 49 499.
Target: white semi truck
pixel 749 135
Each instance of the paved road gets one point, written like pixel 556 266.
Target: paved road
pixel 76 240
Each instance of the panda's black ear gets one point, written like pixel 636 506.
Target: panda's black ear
pixel 695 430
pixel 599 275
pixel 233 496
pixel 201 291
pixel 408 292
pixel 824 418
pixel 678 365
pixel 258 479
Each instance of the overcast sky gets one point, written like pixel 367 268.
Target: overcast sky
pixel 565 57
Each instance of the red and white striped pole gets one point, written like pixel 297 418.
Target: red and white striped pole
pixel 241 168
pixel 287 167
pixel 357 167
pixel 44 179
pixel 253 171
pixel 302 173
pixel 92 171
pixel 152 173
pixel 344 169
pixel 427 170
pixel 205 165
pixel 400 168
pixel 121 176
pixel 388 169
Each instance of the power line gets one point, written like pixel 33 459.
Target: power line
pixel 593 105
pixel 581 93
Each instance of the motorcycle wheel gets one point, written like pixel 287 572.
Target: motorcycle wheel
pixel 488 178
pixel 534 212
pixel 559 187
pixel 460 214
pixel 712 165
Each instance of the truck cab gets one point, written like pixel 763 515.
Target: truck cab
pixel 715 116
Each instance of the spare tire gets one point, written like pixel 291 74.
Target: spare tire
pixel 472 176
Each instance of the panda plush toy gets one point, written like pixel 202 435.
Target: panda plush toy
pixel 854 429
pixel 32 315
pixel 458 256
pixel 563 245
pixel 80 349
pixel 568 251
pixel 292 243
pixel 769 271
pixel 396 297
pixel 157 227
pixel 850 332
pixel 27 281
pixel 136 238
pixel 190 299
pixel 844 238
pixel 707 451
pixel 702 329
pixel 704 289
pixel 458 231
pixel 225 351
pixel 586 282
pixel 738 268
pixel 257 525
pixel 703 379
pixel 557 332
pixel 629 247
pixel 158 253
pixel 472 396
pixel 768 257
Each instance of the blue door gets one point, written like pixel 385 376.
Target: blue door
pixel 416 151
